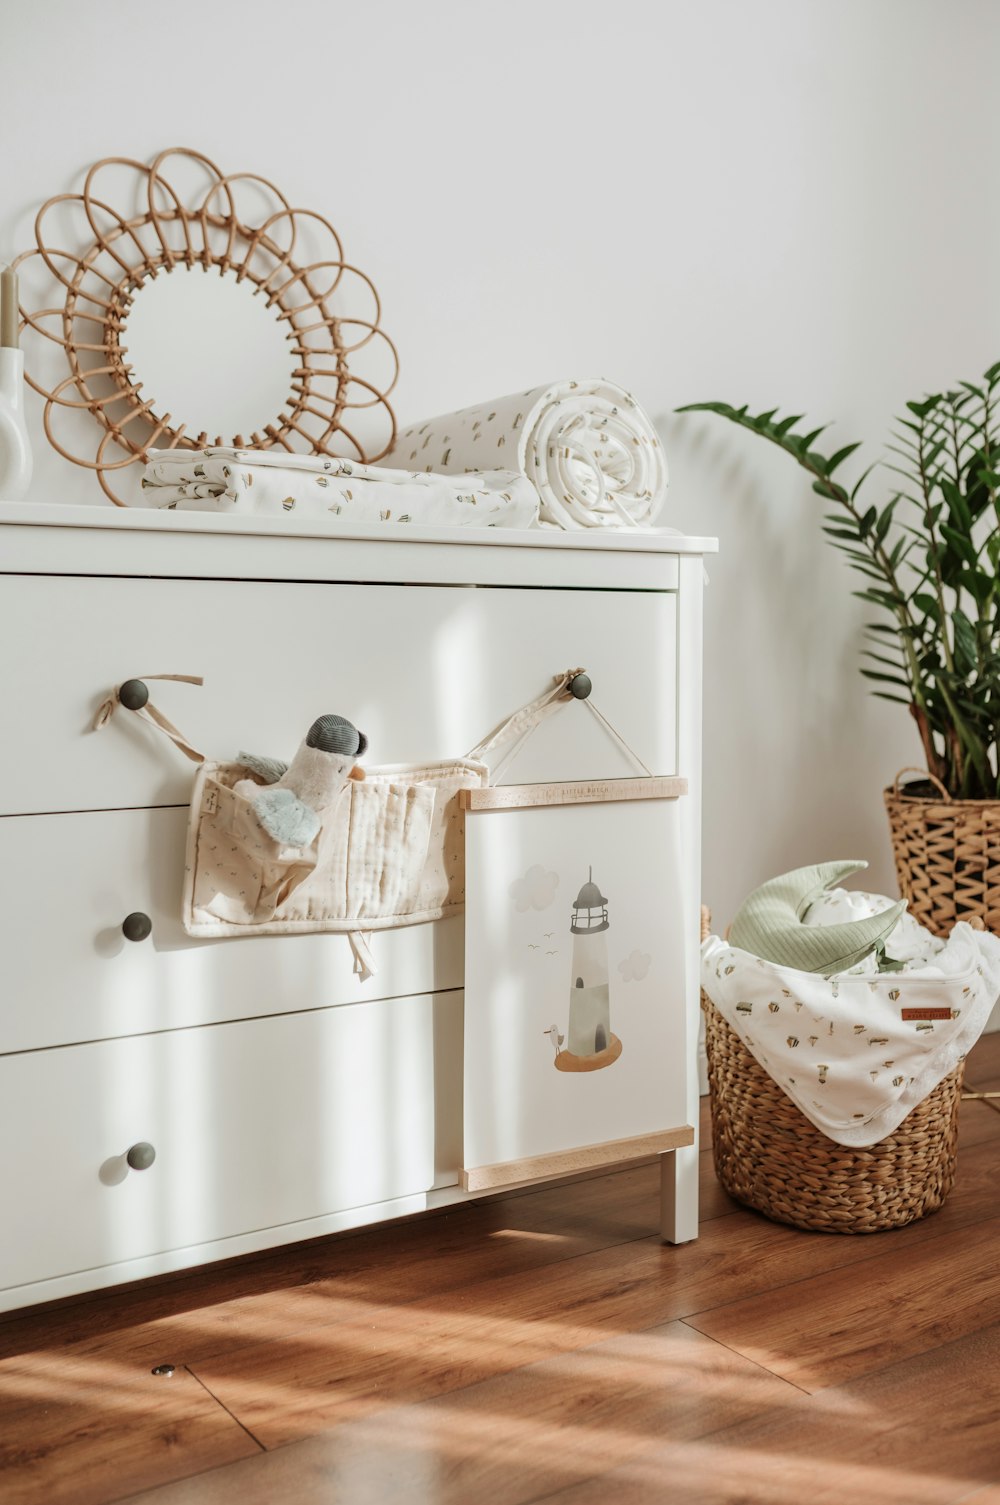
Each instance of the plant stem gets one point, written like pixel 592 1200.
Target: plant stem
pixel 926 488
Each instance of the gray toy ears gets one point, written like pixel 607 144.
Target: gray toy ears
pixel 335 734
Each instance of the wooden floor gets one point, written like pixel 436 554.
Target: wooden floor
pixel 546 1347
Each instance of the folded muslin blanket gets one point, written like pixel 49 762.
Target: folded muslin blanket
pixel 857 1051
pixel 271 483
pixel 587 446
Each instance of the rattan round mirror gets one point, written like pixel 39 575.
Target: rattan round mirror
pixel 202 310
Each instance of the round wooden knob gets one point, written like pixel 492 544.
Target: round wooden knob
pixel 136 926
pixel 141 1156
pixel 133 694
pixel 580 686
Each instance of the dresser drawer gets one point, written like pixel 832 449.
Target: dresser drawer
pixel 70 975
pixel 254 1125
pixel 425 671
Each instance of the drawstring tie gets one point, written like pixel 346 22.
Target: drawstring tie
pixel 149 713
pixel 522 723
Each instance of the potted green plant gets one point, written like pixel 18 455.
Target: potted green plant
pixel 928 555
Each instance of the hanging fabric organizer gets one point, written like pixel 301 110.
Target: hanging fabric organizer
pixel 390 850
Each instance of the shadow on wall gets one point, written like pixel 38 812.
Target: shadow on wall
pixel 795 751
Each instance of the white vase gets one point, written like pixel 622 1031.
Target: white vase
pixel 15 447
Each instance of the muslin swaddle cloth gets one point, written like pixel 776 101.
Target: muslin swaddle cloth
pixel 268 482
pixel 587 447
pixel 857 1051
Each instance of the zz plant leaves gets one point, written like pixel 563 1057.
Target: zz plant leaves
pixel 930 559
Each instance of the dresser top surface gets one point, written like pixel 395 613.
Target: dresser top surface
pixel 70 539
pixel 160 520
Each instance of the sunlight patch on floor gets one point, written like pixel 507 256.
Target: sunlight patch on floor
pixel 530 1233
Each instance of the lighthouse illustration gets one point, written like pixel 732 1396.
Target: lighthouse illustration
pixel 589 1041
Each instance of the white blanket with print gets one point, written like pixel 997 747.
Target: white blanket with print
pixel 856 1052
pixel 270 483
pixel 586 446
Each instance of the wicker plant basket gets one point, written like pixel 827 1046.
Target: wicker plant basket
pixel 770 1157
pixel 947 854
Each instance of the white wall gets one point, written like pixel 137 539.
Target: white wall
pixel 792 201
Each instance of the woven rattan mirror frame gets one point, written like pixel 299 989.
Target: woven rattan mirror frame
pixel 97 285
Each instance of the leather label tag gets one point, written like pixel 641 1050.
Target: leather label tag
pixel 911 1014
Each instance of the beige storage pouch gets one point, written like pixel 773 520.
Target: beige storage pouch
pixel 390 852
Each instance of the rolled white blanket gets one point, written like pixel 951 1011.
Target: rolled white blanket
pixel 270 483
pixel 587 447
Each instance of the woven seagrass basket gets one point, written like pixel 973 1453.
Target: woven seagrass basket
pixel 947 854
pixel 770 1157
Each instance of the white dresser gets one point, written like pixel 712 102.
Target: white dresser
pixel 283 1098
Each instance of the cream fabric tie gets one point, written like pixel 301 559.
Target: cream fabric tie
pixel 522 723
pixel 149 713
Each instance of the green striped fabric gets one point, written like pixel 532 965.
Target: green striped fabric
pixel 769 923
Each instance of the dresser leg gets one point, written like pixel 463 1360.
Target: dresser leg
pixel 679 1196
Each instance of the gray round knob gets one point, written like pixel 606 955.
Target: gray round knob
pixel 580 686
pixel 141 1156
pixel 133 694
pixel 136 926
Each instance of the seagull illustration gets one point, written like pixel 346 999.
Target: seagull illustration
pixel 549 934
pixel 532 946
pixel 552 953
pixel 554 1035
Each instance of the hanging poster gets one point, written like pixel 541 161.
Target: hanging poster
pixel 574 927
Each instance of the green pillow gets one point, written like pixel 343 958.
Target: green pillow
pixel 769 923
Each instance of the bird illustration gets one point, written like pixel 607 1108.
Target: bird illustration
pixel 533 947
pixel 556 1038
pixel 296 794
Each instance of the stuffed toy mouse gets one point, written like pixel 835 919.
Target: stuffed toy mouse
pixel 297 793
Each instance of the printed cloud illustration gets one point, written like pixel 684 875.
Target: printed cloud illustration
pixel 535 890
pixel 635 966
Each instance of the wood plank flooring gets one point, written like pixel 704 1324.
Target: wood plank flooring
pixel 542 1347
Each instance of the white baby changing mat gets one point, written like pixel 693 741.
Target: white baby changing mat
pixel 271 483
pixel 856 1052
